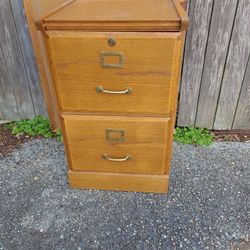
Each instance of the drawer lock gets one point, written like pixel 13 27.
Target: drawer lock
pixel 111 42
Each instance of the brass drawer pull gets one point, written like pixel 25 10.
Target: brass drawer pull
pixel 127 91
pixel 105 157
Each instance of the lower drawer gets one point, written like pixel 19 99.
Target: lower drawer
pixel 117 143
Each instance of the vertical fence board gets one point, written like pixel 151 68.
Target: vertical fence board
pixel 235 68
pixel 200 13
pixel 14 61
pixel 218 42
pixel 35 10
pixel 28 56
pixel 242 117
pixel 8 106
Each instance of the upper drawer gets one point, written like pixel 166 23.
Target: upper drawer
pixel 133 73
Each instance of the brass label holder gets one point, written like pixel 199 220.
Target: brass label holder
pixel 105 54
pixel 115 135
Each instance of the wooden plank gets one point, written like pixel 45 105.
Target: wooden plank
pixel 41 8
pixel 200 13
pixel 14 61
pixel 49 89
pixel 119 182
pixel 36 9
pixel 8 107
pixel 217 47
pixel 242 117
pixel 28 56
pixel 235 68
pixel 158 15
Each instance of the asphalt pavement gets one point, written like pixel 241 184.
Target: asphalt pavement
pixel 207 207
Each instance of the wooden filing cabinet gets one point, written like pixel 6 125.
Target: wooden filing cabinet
pixel 116 67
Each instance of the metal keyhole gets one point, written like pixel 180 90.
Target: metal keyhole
pixel 112 42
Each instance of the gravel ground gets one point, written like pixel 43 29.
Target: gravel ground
pixel 208 206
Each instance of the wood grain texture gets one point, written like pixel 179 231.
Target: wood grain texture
pixel 13 56
pixel 242 117
pixel 28 57
pixel 181 10
pixel 42 8
pixel 215 57
pixel 116 10
pixel 51 92
pixel 119 15
pixel 145 139
pixel 35 10
pixel 149 69
pixel 8 106
pixel 119 182
pixel 200 13
pixel 235 68
pixel 177 65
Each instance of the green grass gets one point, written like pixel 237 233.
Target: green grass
pixel 59 135
pixel 39 126
pixel 196 136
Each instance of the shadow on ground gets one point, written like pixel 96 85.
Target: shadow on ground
pixel 207 207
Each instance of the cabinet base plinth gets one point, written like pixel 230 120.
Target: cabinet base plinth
pixel 119 182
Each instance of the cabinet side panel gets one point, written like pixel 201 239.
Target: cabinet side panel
pixel 176 68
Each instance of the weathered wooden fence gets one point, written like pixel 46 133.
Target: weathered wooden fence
pixel 215 85
pixel 20 91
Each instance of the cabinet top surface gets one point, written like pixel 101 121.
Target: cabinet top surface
pixel 141 15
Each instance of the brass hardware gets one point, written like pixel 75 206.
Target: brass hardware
pixel 126 158
pixel 111 42
pixel 127 91
pixel 120 56
pixel 115 135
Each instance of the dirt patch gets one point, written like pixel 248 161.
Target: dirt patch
pixel 242 246
pixel 9 142
pixel 232 135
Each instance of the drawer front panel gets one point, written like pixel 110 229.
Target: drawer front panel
pixel 137 75
pixel 117 144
